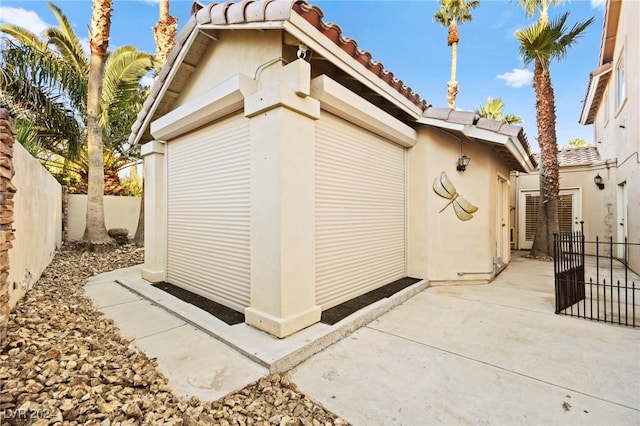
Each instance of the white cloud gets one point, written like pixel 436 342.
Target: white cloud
pixel 24 18
pixel 598 4
pixel 517 77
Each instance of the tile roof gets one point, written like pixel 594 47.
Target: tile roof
pixel 314 15
pixel 470 118
pixel 279 10
pixel 232 13
pixel 582 156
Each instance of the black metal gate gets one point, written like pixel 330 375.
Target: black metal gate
pixel 568 269
pixel 611 298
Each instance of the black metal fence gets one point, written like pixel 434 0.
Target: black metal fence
pixel 612 297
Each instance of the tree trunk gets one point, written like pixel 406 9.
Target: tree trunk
pixel 95 231
pixel 547 223
pixel 164 34
pixel 452 85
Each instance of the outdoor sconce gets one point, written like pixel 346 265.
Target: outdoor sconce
pixel 598 181
pixel 463 162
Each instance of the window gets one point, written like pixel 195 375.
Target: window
pixel 620 84
pixel 565 214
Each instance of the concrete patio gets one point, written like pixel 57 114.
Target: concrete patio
pixel 483 354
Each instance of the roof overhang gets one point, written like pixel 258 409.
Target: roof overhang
pixel 599 78
pixel 207 21
pixel 508 141
pixel 308 34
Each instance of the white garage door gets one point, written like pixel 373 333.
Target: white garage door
pixel 208 196
pixel 360 211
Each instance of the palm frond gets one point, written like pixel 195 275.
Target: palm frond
pixel 23 37
pixel 548 42
pixel 66 41
pixel 455 11
pixel 124 68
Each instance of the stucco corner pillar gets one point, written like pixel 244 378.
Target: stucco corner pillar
pixel 282 210
pixel 155 248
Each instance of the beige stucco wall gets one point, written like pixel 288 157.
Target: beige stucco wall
pixel 597 208
pixel 617 129
pixel 236 52
pixel 439 244
pixel 119 212
pixel 37 223
pixel 282 105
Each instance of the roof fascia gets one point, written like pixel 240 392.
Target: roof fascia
pixel 512 143
pixel 591 93
pixel 259 25
pixel 165 85
pixel 611 20
pixel 299 28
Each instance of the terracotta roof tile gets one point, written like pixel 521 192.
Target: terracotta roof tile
pixel 487 124
pixel 278 10
pixel 314 15
pixel 230 12
pixel 583 156
pixel 469 118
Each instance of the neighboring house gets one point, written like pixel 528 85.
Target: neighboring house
pixel 612 105
pixel 580 198
pixel 287 172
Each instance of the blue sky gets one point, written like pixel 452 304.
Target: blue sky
pixel 405 38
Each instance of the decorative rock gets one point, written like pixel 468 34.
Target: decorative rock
pixel 68 363
pixel 121 235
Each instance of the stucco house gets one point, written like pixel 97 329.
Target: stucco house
pixel 580 198
pixel 599 185
pixel 287 172
pixel 612 105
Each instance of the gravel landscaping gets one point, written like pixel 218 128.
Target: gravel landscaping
pixel 65 364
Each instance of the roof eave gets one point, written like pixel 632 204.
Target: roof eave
pixel 520 159
pixel 597 79
pixel 301 29
pixel 161 85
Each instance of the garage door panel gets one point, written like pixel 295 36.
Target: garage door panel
pixel 360 211
pixel 208 216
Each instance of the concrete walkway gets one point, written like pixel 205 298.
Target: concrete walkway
pixel 485 354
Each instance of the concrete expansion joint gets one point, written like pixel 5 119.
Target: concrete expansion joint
pixel 161 332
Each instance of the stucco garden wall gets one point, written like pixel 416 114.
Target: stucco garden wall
pixel 37 222
pixel 119 212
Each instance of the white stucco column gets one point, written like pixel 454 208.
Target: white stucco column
pixel 282 208
pixel 155 247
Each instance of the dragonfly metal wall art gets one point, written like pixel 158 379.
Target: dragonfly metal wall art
pixel 444 188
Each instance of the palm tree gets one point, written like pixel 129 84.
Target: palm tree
pixel 164 34
pixel 44 85
pixel 530 8
pixel 44 82
pixel 451 14
pixel 542 43
pixel 493 111
pixel 577 143
pixel 95 231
